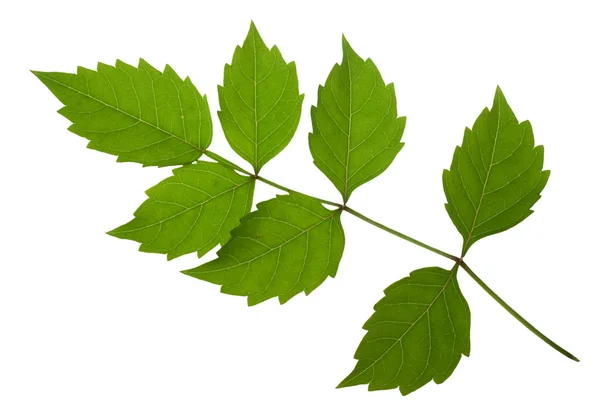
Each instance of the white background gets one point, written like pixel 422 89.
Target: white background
pixel 91 326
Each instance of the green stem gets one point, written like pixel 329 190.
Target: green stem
pixel 457 260
pixel 515 313
pixel 283 188
pixel 225 162
pixel 402 236
pixel 232 165
pixel 357 214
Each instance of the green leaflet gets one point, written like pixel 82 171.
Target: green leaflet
pixel 356 132
pixel 418 333
pixel 138 114
pixel 288 245
pixel 193 210
pixel 496 175
pixel 260 102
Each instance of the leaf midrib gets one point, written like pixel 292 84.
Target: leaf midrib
pixel 349 130
pixel 483 193
pixel 323 220
pixel 255 107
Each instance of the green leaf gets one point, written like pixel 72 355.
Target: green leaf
pixel 496 175
pixel 138 114
pixel 259 99
pixel 356 132
pixel 418 333
pixel 193 210
pixel 288 245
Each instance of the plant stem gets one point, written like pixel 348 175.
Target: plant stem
pixel 515 313
pixel 402 236
pixel 455 259
pixel 283 188
pixel 225 162
pixel 357 214
pixel 232 165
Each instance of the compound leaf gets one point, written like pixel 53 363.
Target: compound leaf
pixel 193 210
pixel 496 174
pixel 356 131
pixel 288 245
pixel 138 114
pixel 260 102
pixel 418 333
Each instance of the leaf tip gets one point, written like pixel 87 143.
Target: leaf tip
pixel 114 232
pixel 188 272
pixel 499 95
pixel 38 74
pixel 342 384
pixel 253 31
pixel 348 51
pixel 345 44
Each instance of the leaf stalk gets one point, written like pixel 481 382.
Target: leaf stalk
pixel 514 313
pixel 223 161
pixel 457 260
pixel 401 235
pixel 286 189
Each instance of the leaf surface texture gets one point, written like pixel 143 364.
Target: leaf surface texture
pixel 288 245
pixel 418 333
pixel 260 102
pixel 193 210
pixel 138 114
pixel 496 174
pixel 356 131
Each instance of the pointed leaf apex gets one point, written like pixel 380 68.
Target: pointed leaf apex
pixel 253 30
pixel 348 51
pixel 38 74
pixel 346 45
pixel 253 37
pixel 499 95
